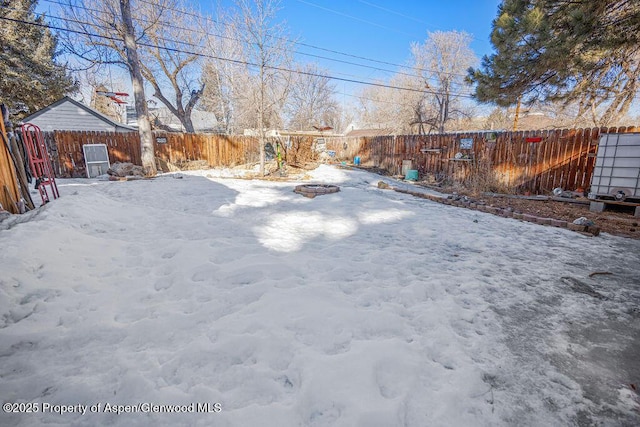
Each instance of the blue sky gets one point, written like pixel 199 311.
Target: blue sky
pixel 381 30
pixel 384 29
pixel 378 29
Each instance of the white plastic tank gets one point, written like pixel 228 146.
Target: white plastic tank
pixel 617 170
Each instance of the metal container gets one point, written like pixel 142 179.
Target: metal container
pixel 617 170
pixel 411 175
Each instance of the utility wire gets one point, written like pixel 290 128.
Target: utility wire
pixel 64 19
pixel 341 61
pixel 355 18
pixel 235 61
pixel 401 14
pixel 185 43
pixel 392 11
pixel 208 18
pixel 194 45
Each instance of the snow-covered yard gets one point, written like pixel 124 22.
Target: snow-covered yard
pixel 361 308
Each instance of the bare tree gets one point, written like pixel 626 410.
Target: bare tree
pixel 133 62
pixel 403 110
pixel 377 109
pixel 104 33
pixel 217 97
pixel 311 100
pixel 226 78
pixel 431 95
pixel 95 85
pixel 167 49
pixel 170 59
pixel 441 63
pixel 267 49
pixel 498 119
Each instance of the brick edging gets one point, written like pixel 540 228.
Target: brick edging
pixel 506 213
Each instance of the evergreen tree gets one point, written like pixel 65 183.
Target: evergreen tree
pixel 577 51
pixel 30 78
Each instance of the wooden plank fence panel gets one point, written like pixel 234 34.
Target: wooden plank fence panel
pixel 566 158
pixel 497 161
pixel 550 141
pixel 560 159
pixel 161 149
pixel 583 161
pixel 121 147
pixel 574 161
pixel 563 137
pixel 538 171
pixel 218 149
pixel 563 158
pixel 539 161
pixel 9 187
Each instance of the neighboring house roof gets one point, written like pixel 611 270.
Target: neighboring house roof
pixel 369 132
pixel 285 132
pixel 534 120
pixel 69 114
pixel 203 121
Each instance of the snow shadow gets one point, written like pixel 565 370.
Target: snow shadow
pixel 361 308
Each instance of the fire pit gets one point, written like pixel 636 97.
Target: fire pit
pixel 313 190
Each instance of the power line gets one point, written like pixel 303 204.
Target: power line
pixel 360 97
pixel 207 18
pixel 400 14
pixel 186 43
pixel 223 37
pixel 235 61
pixel 195 45
pixel 351 17
pixel 171 25
pixel 392 11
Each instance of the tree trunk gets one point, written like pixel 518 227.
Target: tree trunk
pixel 186 120
pixel 261 120
pixel 517 114
pixel 144 125
pixel 441 113
pixel 188 125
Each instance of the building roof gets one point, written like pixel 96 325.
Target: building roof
pixel 285 132
pixel 98 115
pixel 369 132
pixel 203 121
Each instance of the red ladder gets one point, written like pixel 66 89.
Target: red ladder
pixel 39 161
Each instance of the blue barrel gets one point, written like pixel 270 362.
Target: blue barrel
pixel 356 160
pixel 412 175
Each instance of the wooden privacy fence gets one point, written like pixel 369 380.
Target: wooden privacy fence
pixel 535 161
pixel 228 150
pixel 65 149
pixel 9 190
pixel 216 150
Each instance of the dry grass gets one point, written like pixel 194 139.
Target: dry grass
pixel 483 179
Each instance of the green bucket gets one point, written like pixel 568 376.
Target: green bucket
pixel 412 175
